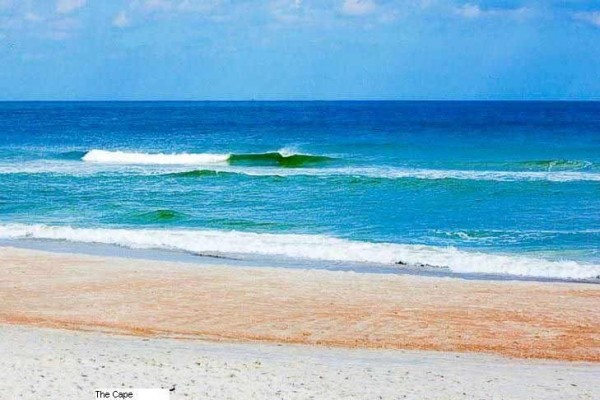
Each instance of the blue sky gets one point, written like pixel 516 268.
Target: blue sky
pixel 299 49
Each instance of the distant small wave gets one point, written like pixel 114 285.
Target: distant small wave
pixel 280 159
pixel 556 165
pixel 497 236
pixel 163 215
pixel 379 174
pixel 562 176
pixel 199 173
pixel 310 247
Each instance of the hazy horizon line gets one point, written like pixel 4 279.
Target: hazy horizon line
pixel 298 100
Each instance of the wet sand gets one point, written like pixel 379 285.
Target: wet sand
pixel 552 320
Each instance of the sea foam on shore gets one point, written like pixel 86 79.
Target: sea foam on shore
pixel 310 247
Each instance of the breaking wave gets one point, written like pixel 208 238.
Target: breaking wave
pixel 121 157
pixel 284 163
pixel 310 247
pixel 280 159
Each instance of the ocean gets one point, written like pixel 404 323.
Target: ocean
pixel 503 188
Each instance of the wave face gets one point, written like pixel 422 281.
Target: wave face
pixel 159 216
pixel 71 155
pixel 279 159
pixel 200 173
pixel 309 247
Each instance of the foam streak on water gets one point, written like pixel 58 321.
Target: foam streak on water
pixel 153 164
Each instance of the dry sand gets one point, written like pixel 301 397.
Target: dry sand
pixel 38 363
pixel 344 309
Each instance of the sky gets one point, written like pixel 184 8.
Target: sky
pixel 299 49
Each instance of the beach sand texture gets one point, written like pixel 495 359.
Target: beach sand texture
pixel 148 298
pixel 41 363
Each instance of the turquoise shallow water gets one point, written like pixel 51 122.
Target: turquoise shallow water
pixel 507 188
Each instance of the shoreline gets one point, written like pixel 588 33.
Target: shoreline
pixel 201 260
pixel 548 320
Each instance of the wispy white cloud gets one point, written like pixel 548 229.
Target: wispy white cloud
pixel 590 17
pixel 121 20
pixel 157 5
pixel 46 20
pixel 68 6
pixel 198 6
pixel 358 7
pixel 176 6
pixel 290 12
pixel 32 17
pixel 139 10
pixel 469 11
pixel 40 17
pixel 62 28
pixel 326 13
pixel 474 11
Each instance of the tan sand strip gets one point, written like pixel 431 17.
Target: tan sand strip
pixel 520 319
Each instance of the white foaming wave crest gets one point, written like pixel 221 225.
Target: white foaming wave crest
pixel 122 157
pixel 288 151
pixel 311 247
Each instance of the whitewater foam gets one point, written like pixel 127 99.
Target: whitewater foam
pixel 282 158
pixel 121 157
pixel 310 247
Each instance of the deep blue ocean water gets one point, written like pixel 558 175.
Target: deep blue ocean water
pixel 476 187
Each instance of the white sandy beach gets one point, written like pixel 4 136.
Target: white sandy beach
pixel 35 361
pixel 219 332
